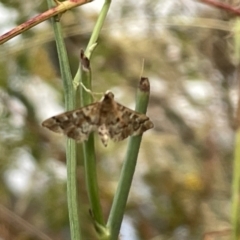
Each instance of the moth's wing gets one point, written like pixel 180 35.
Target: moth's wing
pixel 126 122
pixel 76 124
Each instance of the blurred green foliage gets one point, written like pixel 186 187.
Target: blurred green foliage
pixel 182 184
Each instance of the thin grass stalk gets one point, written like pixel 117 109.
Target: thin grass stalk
pixel 127 172
pixel 236 163
pixel 89 151
pixel 235 190
pixel 72 193
pixel 84 76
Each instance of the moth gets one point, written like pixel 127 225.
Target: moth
pixel 107 117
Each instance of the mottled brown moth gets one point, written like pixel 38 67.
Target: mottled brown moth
pixel 107 117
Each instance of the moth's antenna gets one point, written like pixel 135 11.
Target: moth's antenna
pixel 89 91
pixel 143 61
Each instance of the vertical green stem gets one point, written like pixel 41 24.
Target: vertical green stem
pixel 96 31
pixel 235 189
pixel 125 181
pixel 236 163
pixel 72 193
pixel 84 75
pixel 88 148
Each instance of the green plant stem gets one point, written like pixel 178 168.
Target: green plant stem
pixel 89 156
pixel 72 193
pixel 236 163
pixel 236 38
pixel 98 27
pixel 235 190
pixel 91 46
pixel 126 176
pixel 88 147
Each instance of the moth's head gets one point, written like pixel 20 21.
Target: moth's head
pixel 107 103
pixel 108 96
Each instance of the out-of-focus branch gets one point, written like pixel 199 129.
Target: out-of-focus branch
pixel 60 8
pixel 14 220
pixel 222 6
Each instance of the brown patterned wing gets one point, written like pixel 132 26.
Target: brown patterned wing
pixel 76 124
pixel 127 122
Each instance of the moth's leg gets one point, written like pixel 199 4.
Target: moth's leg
pixel 90 92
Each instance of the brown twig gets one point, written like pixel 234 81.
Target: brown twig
pixel 215 234
pixel 223 6
pixel 16 221
pixel 60 8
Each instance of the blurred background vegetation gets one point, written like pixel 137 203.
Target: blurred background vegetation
pixel 182 184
